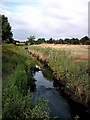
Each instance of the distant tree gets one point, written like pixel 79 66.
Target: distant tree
pixel 84 39
pixel 26 43
pixel 60 41
pixel 67 41
pixel 71 41
pixel 56 41
pixel 50 40
pixel 40 40
pixel 87 42
pixel 7 35
pixel 31 40
pixel 75 41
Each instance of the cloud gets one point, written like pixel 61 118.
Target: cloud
pixel 17 0
pixel 48 18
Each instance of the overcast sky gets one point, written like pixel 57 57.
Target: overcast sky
pixel 47 18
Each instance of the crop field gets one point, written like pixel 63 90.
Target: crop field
pixel 70 65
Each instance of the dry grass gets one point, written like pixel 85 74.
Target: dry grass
pixel 80 51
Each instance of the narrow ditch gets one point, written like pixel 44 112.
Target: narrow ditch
pixel 59 103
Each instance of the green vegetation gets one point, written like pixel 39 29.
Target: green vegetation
pixel 31 40
pixel 70 70
pixel 6 33
pixel 18 101
pixel 0 82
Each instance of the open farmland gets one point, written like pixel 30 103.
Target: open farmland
pixel 80 51
pixel 69 64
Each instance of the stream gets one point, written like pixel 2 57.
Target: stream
pixel 60 105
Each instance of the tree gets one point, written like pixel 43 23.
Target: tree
pixel 50 40
pixel 67 41
pixel 87 42
pixel 84 40
pixel 31 40
pixel 75 41
pixel 7 36
pixel 40 40
pixel 0 29
pixel 60 41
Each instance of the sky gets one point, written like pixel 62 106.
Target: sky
pixel 47 18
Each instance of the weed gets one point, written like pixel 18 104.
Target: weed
pixel 18 101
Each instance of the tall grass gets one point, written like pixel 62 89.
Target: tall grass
pixel 70 70
pixel 18 101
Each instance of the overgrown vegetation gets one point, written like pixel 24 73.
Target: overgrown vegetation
pixel 18 101
pixel 69 69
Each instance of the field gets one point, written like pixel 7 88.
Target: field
pixel 70 65
pixel 80 51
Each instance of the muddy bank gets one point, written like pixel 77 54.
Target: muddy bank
pixel 62 84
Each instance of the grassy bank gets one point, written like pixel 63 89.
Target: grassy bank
pixel 17 81
pixel 70 66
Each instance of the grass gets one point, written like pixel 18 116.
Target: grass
pixel 17 82
pixel 68 65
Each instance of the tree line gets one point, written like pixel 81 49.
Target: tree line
pixel 7 36
pixel 84 41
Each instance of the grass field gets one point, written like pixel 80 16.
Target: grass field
pixel 80 51
pixel 70 64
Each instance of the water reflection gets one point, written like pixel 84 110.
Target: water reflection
pixel 44 88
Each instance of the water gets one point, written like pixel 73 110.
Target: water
pixel 58 105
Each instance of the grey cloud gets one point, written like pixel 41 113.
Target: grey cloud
pixel 51 19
